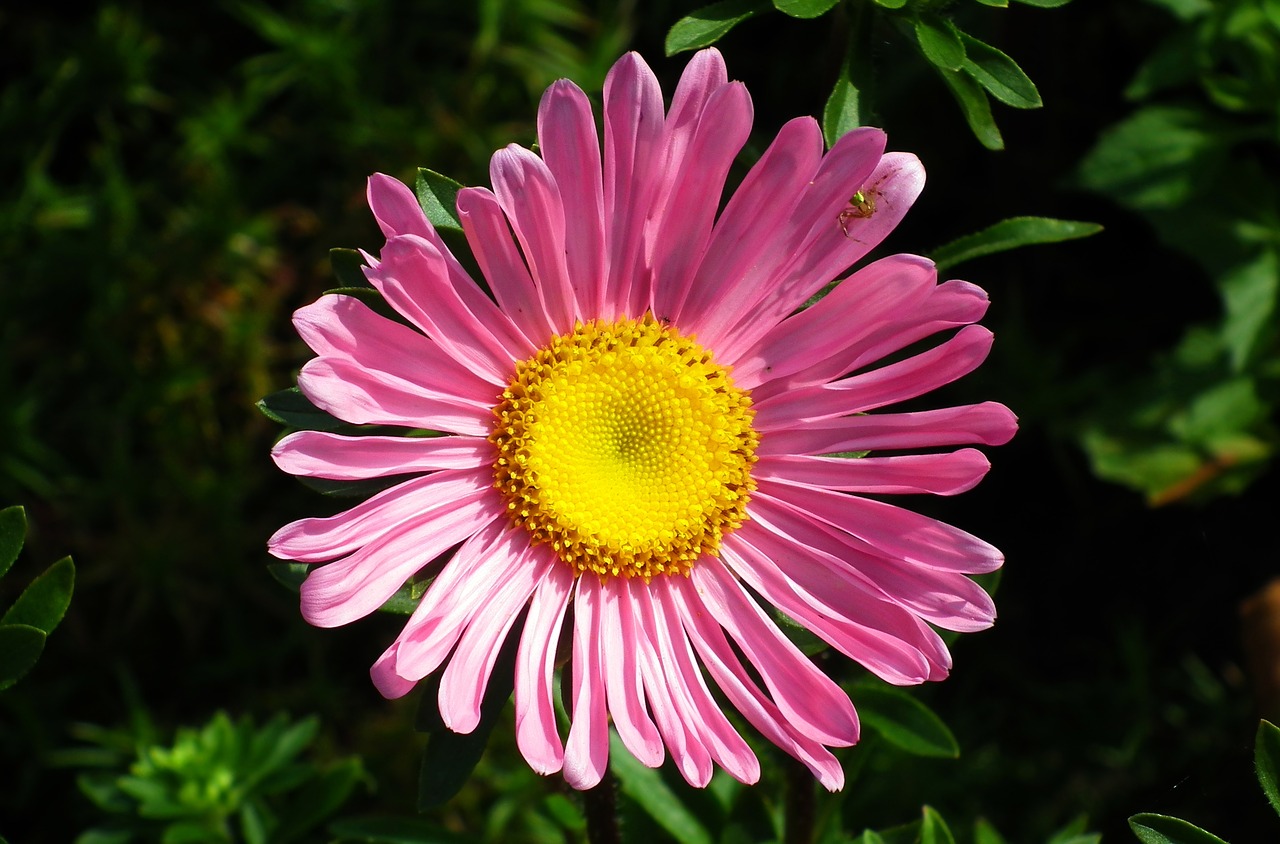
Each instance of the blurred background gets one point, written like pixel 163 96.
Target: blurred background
pixel 175 174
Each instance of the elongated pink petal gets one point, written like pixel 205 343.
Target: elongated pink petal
pixel 586 753
pixel 413 278
pixel 344 326
pixel 368 397
pixel 939 474
pixel 318 454
pixel 737 685
pixel 569 145
pixel 633 122
pixel 536 734
pixel 490 239
pixel 619 652
pixel 342 591
pixel 890 384
pixel 891 531
pixel 385 679
pixel 531 199
pixel 467 675
pixel 318 539
pixel 857 306
pixel 685 229
pixel 988 423
pixel 804 694
pixel 755 218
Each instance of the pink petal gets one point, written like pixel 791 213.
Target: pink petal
pixel 633 122
pixel 586 754
pixel 467 674
pixel 531 199
pixel 684 229
pixel 988 423
pixel 385 679
pixel 363 396
pixel 891 531
pixel 858 306
pixel 619 650
pixel 342 591
pixel 536 733
pixel 806 696
pixel 317 539
pixel 344 326
pixel 938 474
pixel 570 147
pixel 414 280
pixel 318 454
pixel 724 667
pixel 490 240
pixel 754 219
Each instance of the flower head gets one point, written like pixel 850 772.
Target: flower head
pixel 641 430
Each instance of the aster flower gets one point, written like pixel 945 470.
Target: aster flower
pixel 639 430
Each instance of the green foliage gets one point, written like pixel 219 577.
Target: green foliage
pixel 226 781
pixel 1197 160
pixel 1161 829
pixel 646 787
pixel 26 625
pixel 971 69
pixel 1009 234
pixel 904 721
pixel 1266 760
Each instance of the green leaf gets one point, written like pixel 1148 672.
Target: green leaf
pixel 1162 829
pixel 1002 4
pixel 999 74
pixel 904 721
pixel 450 757
pixel 1012 233
pixel 1252 296
pixel 933 829
pixel 972 99
pixel 438 196
pixel 42 604
pixel 1074 833
pixel 1044 4
pixel 1266 760
pixel 290 407
pixel 391 830
pixel 891 4
pixel 869 836
pixel 20 647
pixel 290 575
pixel 346 265
pixel 1186 9
pixel 13 532
pixel 646 787
pixel 804 8
pixel 709 24
pixel 849 104
pixel 940 42
pixel 985 833
pixel 319 798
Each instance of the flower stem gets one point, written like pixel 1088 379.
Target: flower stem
pixel 601 805
pixel 800 805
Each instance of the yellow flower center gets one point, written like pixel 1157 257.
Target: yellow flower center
pixel 626 448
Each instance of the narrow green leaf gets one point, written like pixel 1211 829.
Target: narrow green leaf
pixel 1074 833
pixel 940 42
pixel 13 532
pixel 1266 760
pixel 972 99
pixel 891 4
pixel 999 74
pixel 1162 829
pixel 933 829
pixel 346 264
pixel 1009 234
pixel 985 833
pixel 20 647
pixel 904 721
pixel 709 24
pixel 290 575
pixel 1002 4
pixel 290 407
pixel 850 102
pixel 450 757
pixel 42 604
pixel 804 8
pixel 646 788
pixel 1252 297
pixel 438 196
pixel 869 836
pixel 1044 4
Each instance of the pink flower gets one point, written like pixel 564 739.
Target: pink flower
pixel 638 429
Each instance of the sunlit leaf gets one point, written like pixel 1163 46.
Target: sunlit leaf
pixel 646 787
pixel 1012 233
pixel 1044 4
pixel 940 42
pixel 999 74
pixel 290 407
pixel 933 829
pixel 13 532
pixel 972 99
pixel 20 647
pixel 1162 829
pixel 1252 297
pixel 904 721
pixel 998 3
pixel 985 833
pixel 43 603
pixel 438 196
pixel 1266 761
pixel 707 25
pixel 804 8
pixel 891 4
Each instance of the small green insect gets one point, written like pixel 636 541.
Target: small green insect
pixel 861 206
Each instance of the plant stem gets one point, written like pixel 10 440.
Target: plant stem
pixel 799 806
pixel 601 804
